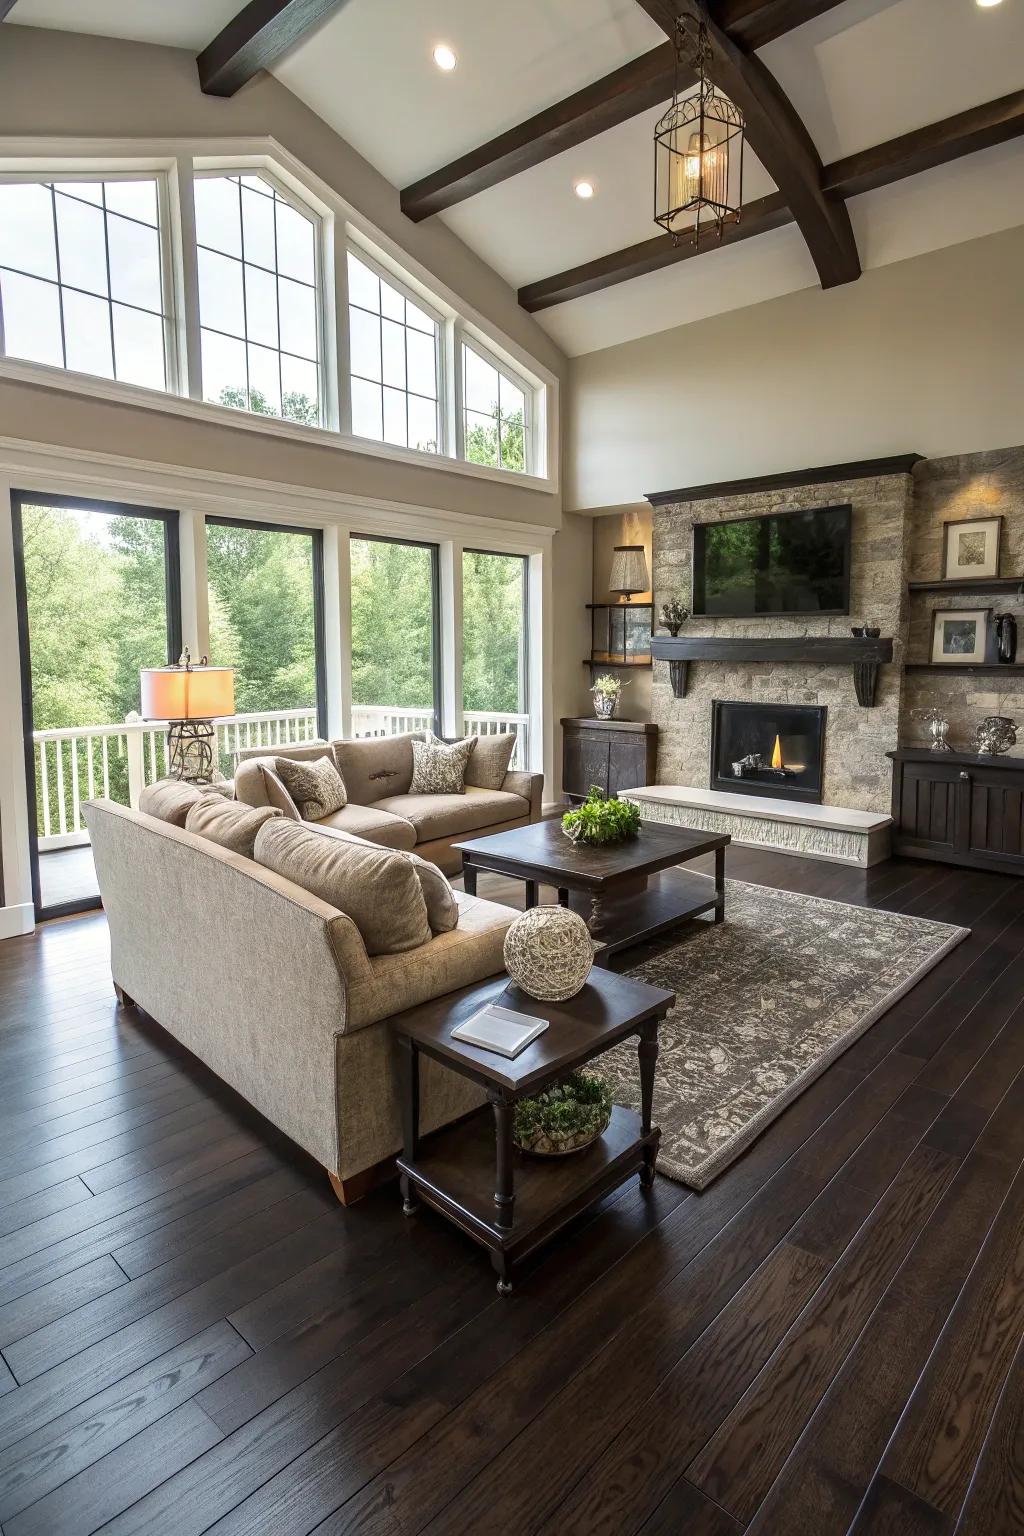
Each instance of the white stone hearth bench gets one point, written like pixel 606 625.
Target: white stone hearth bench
pixel 829 832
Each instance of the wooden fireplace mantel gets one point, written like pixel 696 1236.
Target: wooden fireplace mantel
pixel 865 656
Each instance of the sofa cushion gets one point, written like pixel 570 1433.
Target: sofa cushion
pixel 376 887
pixel 442 906
pixel 446 815
pixel 488 763
pixel 229 823
pixel 376 826
pixel 257 783
pixel 170 800
pixel 438 767
pixel 375 767
pixel 316 786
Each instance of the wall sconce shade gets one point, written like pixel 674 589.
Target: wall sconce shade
pixel 629 570
pixel 196 693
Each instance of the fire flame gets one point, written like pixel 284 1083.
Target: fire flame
pixel 777 754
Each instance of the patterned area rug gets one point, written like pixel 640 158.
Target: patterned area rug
pixel 764 1002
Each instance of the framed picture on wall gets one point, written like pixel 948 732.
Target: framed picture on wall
pixel 961 635
pixel 970 548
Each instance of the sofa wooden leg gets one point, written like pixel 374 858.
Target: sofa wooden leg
pixel 352 1189
pixel 122 997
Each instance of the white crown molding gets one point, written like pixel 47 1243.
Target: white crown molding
pixel 35 466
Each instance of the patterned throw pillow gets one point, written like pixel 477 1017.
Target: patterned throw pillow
pixel 317 787
pixel 439 769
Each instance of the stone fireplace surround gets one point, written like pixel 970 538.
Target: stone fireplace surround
pixel 899 507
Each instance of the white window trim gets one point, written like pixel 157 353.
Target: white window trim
pixel 384 272
pixel 464 338
pixel 168 244
pixel 179 161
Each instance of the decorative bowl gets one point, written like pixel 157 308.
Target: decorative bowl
pixel 564 1119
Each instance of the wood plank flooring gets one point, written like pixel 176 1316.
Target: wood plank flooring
pixel 195 1336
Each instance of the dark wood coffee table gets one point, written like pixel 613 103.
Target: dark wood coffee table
pixel 627 893
pixel 470 1171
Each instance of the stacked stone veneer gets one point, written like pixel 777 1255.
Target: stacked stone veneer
pixel 948 490
pixel 857 772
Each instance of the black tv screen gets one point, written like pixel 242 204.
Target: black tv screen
pixel 788 562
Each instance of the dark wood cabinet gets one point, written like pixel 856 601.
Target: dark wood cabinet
pixel 959 808
pixel 613 754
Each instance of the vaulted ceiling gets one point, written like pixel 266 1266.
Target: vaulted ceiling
pixel 857 74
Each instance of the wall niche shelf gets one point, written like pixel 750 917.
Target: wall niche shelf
pixel 864 655
pixel 974 584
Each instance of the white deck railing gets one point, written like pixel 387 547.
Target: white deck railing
pixel 77 763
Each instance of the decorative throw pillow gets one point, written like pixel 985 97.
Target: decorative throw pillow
pixel 317 788
pixel 489 761
pixel 376 887
pixel 439 769
pixel 229 823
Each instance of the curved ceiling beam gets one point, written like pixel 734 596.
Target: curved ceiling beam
pixel 778 137
pixel 643 83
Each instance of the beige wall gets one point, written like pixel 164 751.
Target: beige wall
pixel 62 84
pixel 924 356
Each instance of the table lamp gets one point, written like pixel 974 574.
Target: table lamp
pixel 628 576
pixel 189 698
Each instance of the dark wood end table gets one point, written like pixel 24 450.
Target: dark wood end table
pixel 470 1171
pixel 628 893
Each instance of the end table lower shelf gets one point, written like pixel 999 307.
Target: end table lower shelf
pixel 453 1171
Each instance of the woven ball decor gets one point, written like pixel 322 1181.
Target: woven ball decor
pixel 549 953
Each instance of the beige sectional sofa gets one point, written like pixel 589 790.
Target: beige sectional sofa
pixel 274 989
pixel 378 772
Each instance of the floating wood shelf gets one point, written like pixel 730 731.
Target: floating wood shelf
pixel 971 584
pixel 974 668
pixel 865 655
pixel 611 661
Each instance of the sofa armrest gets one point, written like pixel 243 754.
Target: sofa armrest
pixel 257 782
pixel 529 785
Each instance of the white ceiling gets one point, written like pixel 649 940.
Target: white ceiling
pixel 865 72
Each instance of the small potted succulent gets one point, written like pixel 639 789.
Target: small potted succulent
pixel 564 1119
pixel 602 819
pixel 606 691
pixel 674 616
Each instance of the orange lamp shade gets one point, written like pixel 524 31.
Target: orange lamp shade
pixel 199 693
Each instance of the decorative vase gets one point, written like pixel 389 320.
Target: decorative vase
pixel 549 953
pixel 996 734
pixel 604 705
pixel 1006 637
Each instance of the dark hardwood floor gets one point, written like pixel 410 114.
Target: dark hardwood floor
pixel 195 1336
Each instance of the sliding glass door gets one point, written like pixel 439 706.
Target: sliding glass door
pixel 266 594
pixel 98 598
pixel 495 646
pixel 395 638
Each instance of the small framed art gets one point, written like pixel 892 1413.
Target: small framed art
pixel 970 548
pixel 961 635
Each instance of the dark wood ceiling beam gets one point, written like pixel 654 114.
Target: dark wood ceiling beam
pixel 651 256
pixel 777 136
pixel 6 7
pixel 636 87
pixel 261 33
pixel 994 122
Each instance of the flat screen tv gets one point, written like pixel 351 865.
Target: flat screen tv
pixel 788 562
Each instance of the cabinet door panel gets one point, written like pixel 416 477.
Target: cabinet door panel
pixel 627 768
pixel 995 819
pixel 927 806
pixel 584 762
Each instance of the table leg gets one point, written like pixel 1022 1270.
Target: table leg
pixel 531 894
pixel 504 1186
pixel 409 1068
pixel 719 885
pixel 503 1270
pixel 468 877
pixel 647 1051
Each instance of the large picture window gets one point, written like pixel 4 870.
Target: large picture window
pixel 394 348
pixel 82 281
pixel 496 422
pixel 258 300
pixel 494 651
pixel 395 651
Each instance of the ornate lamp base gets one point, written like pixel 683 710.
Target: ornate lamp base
pixel 190 748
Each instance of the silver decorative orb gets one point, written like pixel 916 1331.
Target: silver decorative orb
pixel 549 953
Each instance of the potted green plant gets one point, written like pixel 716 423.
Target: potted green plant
pixel 601 819
pixel 565 1118
pixel 606 691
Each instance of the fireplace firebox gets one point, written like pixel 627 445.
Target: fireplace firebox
pixel 768 749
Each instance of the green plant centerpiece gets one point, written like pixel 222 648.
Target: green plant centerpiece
pixel 566 1118
pixel 601 819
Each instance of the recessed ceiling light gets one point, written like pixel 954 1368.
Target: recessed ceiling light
pixel 584 189
pixel 445 57
pixel 986 4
